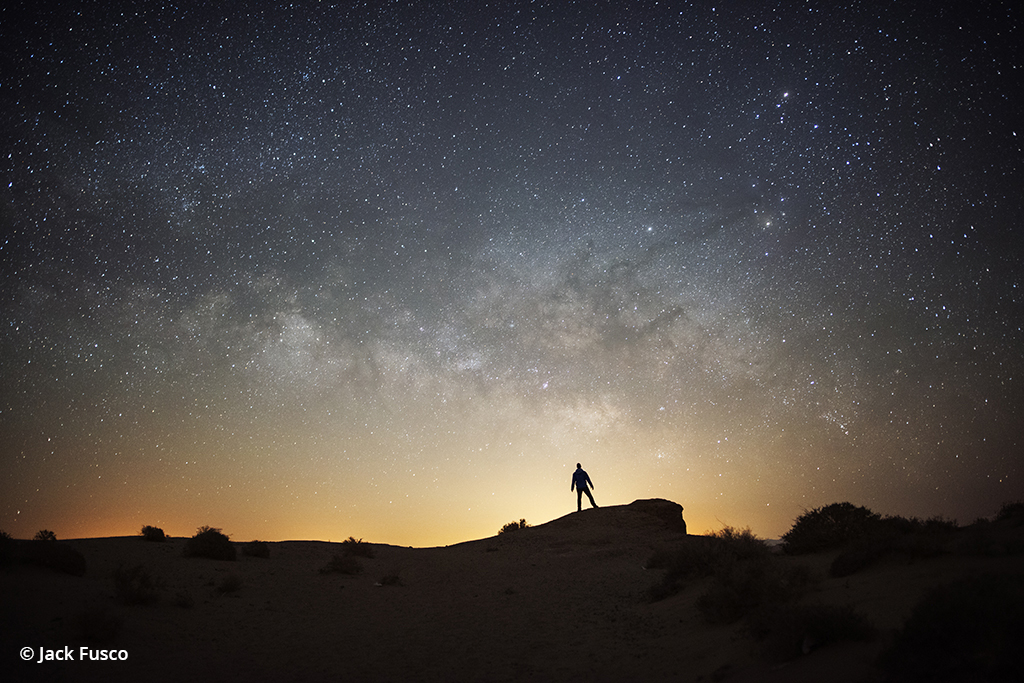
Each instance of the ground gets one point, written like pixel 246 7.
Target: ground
pixel 543 603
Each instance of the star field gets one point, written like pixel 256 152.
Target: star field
pixel 390 269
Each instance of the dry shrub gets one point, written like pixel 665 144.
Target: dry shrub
pixel 183 600
pixel 345 562
pixel 256 549
pixel 229 584
pixel 859 556
pixel 97 624
pixel 789 631
pixel 342 563
pixel 513 526
pixel 738 589
pixel 701 556
pixel 6 548
pixel 153 534
pixel 1012 513
pixel 390 580
pixel 741 543
pixel 829 527
pixel 135 585
pixel 911 538
pixel 211 543
pixel 52 555
pixel 351 546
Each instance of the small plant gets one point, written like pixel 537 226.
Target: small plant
pixel 153 534
pixel 98 625
pixel 135 585
pixel 211 543
pixel 513 526
pixel 183 600
pixel 351 546
pixel 256 549
pixel 342 563
pixel 44 535
pixel 229 584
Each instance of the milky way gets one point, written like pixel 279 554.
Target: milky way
pixel 391 269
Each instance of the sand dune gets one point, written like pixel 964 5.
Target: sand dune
pixel 559 601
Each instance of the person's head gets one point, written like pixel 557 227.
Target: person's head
pixel 578 466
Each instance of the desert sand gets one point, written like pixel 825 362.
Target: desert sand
pixel 565 600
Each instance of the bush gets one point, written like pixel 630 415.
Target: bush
pixel 153 534
pixel 229 584
pixel 53 555
pixel 939 525
pixel 829 527
pixel 513 526
pixel 6 548
pixel 700 556
pixel 44 535
pixel 1011 512
pixel 342 563
pixel 895 535
pixel 256 549
pixel 211 543
pixel 793 630
pixel 135 585
pixel 861 555
pixel 742 587
pixel 930 543
pixel 741 544
pixel 351 546
pixel 734 593
pixel 969 630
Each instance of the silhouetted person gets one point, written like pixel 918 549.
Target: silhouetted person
pixel 581 482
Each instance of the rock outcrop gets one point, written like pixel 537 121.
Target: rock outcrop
pixel 671 513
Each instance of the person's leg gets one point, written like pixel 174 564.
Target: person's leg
pixel 591 497
pixel 579 498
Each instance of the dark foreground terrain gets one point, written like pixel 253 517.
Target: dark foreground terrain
pixel 602 595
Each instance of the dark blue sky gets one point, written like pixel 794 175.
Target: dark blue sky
pixel 279 264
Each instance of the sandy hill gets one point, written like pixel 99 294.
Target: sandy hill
pixel 563 600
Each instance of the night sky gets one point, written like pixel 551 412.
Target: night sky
pixel 389 270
